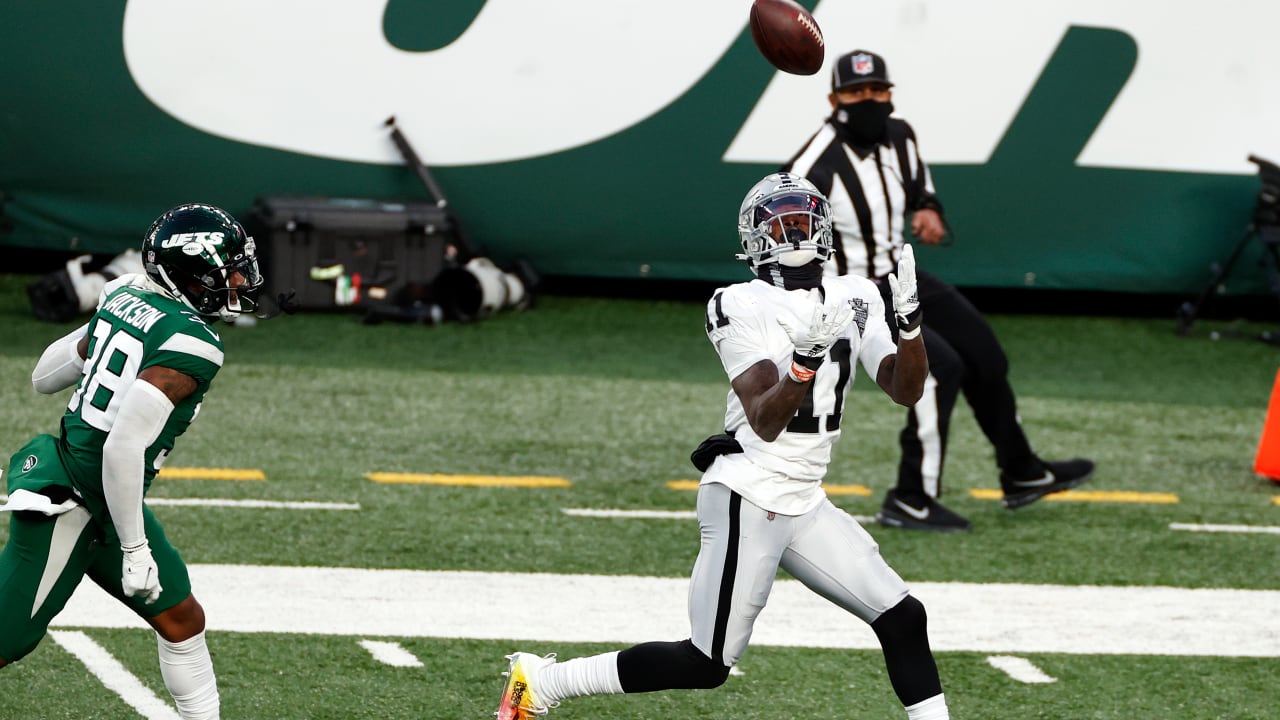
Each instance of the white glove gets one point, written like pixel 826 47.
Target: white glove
pixel 906 299
pixel 139 575
pixel 814 341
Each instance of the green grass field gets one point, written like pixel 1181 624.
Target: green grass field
pixel 612 395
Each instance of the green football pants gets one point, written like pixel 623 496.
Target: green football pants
pixel 45 559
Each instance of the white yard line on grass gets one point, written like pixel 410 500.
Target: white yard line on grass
pixel 114 676
pixel 631 514
pixel 389 653
pixel 252 504
pixel 1020 669
pixel 656 514
pixel 1000 618
pixel 1192 527
pixel 245 504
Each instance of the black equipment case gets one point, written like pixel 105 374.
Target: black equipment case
pixel 349 252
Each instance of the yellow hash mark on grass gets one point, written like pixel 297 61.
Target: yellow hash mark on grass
pixel 1114 496
pixel 859 490
pixel 524 481
pixel 1276 500
pixel 199 473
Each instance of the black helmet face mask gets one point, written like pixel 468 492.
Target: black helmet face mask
pixel 231 288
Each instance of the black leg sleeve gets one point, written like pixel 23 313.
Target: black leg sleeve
pixel 904 638
pixel 668 666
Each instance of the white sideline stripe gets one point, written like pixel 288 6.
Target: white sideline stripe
pixel 638 514
pixel 1003 618
pixel 389 653
pixel 1020 669
pixel 657 514
pixel 252 504
pixel 114 676
pixel 1193 527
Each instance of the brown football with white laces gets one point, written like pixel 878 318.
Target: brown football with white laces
pixel 787 36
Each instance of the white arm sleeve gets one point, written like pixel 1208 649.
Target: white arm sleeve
pixel 143 413
pixel 61 365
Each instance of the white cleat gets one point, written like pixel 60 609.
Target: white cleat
pixel 520 699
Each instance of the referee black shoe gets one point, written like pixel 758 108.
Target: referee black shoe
pixel 918 513
pixel 1044 478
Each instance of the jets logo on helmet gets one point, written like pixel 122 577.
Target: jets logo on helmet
pixel 203 257
pixel 179 240
pixel 784 220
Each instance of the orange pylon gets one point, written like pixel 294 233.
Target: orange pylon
pixel 1267 462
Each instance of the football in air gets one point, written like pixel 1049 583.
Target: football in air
pixel 787 36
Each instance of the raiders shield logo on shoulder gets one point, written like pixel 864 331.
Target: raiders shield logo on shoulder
pixel 860 312
pixel 29 463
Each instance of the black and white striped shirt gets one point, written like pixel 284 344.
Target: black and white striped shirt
pixel 871 195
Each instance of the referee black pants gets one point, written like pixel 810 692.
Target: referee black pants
pixel 964 356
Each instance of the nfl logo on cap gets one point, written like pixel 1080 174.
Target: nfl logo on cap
pixel 859 67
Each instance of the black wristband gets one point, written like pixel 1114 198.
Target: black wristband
pixel 813 363
pixel 911 321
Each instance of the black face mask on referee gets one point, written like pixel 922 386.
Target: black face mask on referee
pixel 863 122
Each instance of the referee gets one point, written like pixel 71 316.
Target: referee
pixel 868 164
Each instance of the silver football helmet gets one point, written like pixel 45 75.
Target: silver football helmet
pixel 784 219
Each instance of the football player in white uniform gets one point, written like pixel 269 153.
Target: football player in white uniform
pixel 788 341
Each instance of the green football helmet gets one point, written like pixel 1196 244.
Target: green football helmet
pixel 203 257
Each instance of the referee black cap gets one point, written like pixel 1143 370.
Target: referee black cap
pixel 858 68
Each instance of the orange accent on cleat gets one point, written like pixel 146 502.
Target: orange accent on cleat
pixel 519 700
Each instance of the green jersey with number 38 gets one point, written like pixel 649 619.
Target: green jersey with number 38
pixel 133 329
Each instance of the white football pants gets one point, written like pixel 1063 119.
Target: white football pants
pixel 744 545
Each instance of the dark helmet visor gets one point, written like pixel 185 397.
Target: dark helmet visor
pixel 783 204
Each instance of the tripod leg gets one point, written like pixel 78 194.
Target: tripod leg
pixel 1273 272
pixel 1188 312
pixel 1273 281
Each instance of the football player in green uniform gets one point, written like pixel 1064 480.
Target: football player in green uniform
pixel 141 367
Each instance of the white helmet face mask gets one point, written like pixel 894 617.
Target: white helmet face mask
pixel 784 219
